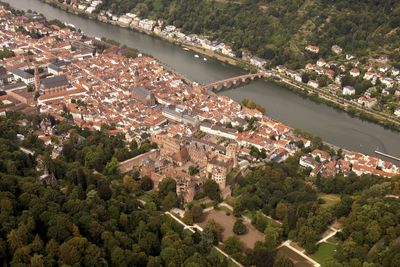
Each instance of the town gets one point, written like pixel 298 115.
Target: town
pixel 367 85
pixel 114 154
pixel 200 135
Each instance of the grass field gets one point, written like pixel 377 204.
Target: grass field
pixel 325 251
pixel 330 199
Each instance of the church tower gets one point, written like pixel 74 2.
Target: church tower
pixel 37 78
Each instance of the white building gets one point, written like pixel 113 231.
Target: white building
pixel 313 84
pixel 147 24
pixel 397 112
pixel 24 76
pixel 349 90
pixel 219 131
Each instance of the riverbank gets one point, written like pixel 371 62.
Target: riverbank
pixel 236 62
pixel 339 104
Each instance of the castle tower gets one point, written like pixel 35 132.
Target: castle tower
pixel 231 152
pixel 37 78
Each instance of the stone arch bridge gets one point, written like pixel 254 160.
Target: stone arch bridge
pixel 233 82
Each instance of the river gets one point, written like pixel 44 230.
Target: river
pixel 333 126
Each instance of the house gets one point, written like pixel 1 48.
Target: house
pixel 395 71
pixel 294 75
pixel 330 73
pixel 338 79
pixel 383 59
pixel 307 161
pixel 309 66
pixel 147 24
pixel 367 102
pixel 349 90
pixel 336 49
pixel 312 48
pixel 387 81
pixel 383 68
pixel 313 84
pixel 321 62
pixel 258 62
pixel 354 72
pixel 322 155
pixel 397 112
pixel 368 75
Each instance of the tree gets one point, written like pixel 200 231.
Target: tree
pixel 195 260
pixel 207 240
pixel 283 261
pixel 146 184
pixel 281 211
pixel 170 201
pixel 233 245
pixel 37 261
pixel 170 256
pixel 272 236
pixel 166 186
pixel 197 213
pixel 308 237
pixel 211 189
pixel 260 256
pixel 104 191
pixel 112 167
pixel 239 228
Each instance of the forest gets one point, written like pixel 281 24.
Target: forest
pixel 278 30
pixel 90 215
pixel 367 210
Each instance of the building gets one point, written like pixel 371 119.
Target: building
pixel 397 112
pixel 348 90
pixel 312 48
pixel 367 102
pixel 24 76
pixel 218 168
pixel 336 49
pixel 219 131
pixel 307 161
pixel 180 115
pixel 54 69
pixel 354 72
pixel 313 84
pixel 143 95
pixel 53 84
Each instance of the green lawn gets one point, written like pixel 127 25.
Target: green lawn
pixel 325 253
pixel 330 199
